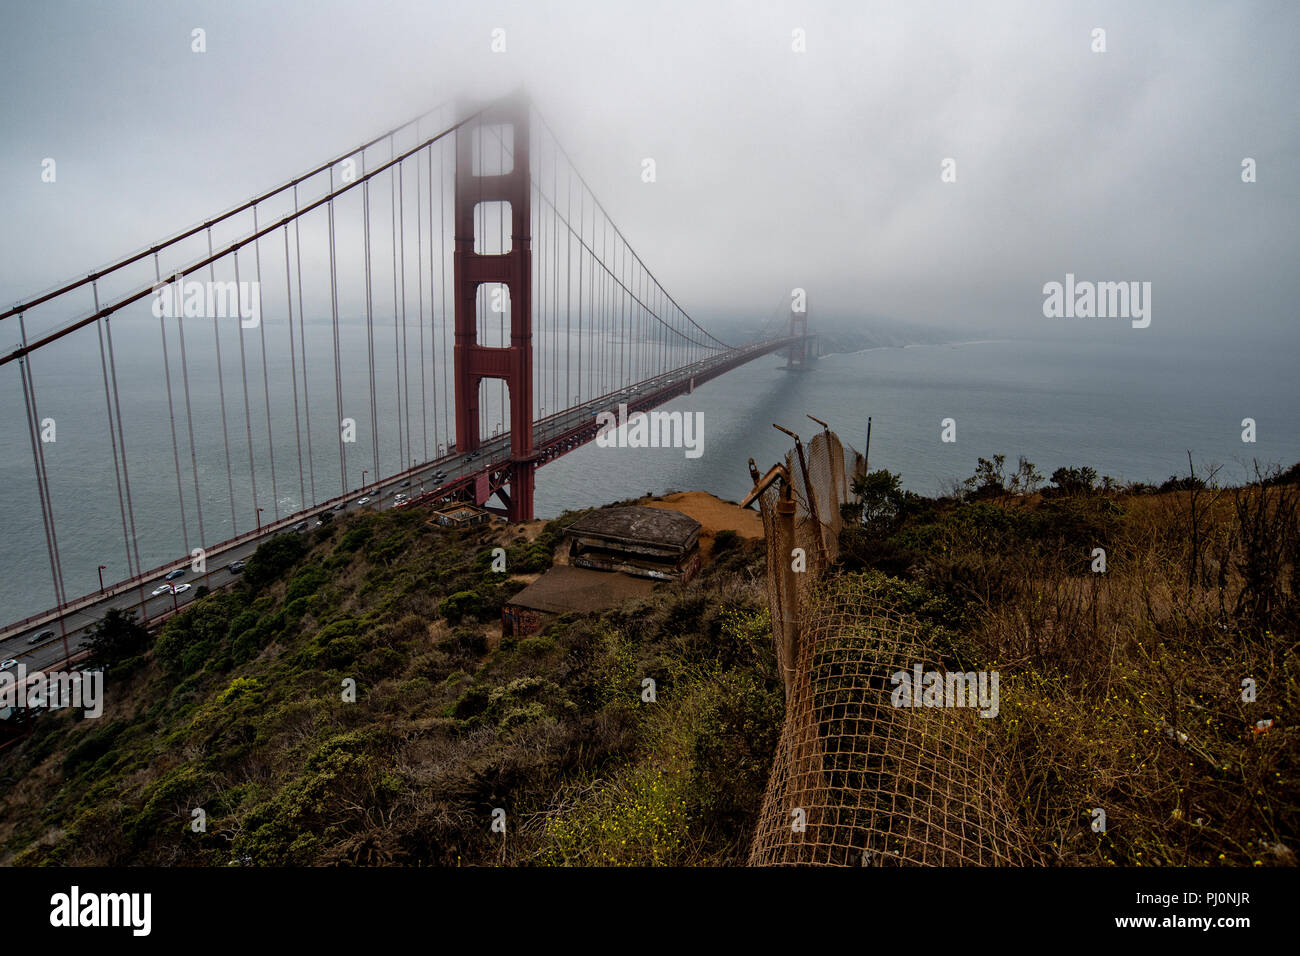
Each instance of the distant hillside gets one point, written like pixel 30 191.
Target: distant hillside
pixel 836 335
pixel 874 334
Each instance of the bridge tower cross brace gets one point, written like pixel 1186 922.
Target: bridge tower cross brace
pixel 514 363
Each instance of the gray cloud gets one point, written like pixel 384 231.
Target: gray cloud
pixel 775 169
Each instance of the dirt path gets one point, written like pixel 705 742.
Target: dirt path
pixel 713 514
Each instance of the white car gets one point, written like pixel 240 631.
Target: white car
pixel 162 589
pixel 12 662
pixel 180 588
pixel 364 501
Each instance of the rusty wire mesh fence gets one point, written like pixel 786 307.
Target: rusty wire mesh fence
pixel 856 780
pixel 815 526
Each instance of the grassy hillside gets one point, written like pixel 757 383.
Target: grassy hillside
pixel 1128 627
pixel 1121 690
pixel 238 710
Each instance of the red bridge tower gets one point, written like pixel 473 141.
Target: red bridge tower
pixel 474 362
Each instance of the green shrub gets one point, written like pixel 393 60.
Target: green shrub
pixel 272 559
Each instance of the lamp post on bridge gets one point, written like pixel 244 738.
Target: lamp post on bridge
pixel 102 568
pixel 364 472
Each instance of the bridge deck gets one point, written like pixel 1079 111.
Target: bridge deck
pixel 553 437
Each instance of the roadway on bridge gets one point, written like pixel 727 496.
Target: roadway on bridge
pixel 493 452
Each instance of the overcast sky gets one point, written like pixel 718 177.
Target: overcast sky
pixel 775 168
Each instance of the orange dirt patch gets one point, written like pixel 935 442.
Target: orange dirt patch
pixel 529 529
pixel 713 514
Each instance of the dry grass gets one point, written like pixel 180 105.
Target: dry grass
pixel 1123 691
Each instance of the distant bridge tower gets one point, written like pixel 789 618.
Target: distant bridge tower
pixel 799 353
pixel 474 362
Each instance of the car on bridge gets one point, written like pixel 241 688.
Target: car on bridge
pixel 173 575
pixel 161 589
pixel 235 567
pixel 180 588
pixel 364 501
pixel 300 526
pixel 42 636
pixel 340 506
pixel 6 665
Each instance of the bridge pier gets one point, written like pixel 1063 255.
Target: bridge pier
pixel 522 478
pixel 473 362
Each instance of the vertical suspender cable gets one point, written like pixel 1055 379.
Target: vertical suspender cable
pixel 302 345
pixel 606 308
pixel 568 294
pixel 593 381
pixel 266 383
pixel 221 392
pixel 293 372
pixel 581 346
pixel 611 314
pixel 664 341
pixel 189 415
pixel 442 259
pixel 433 312
pixel 625 346
pixel 397 358
pixel 642 324
pixel 419 285
pixel 112 437
pixel 370 324
pixel 121 440
pixel 171 409
pixel 334 322
pixel 42 481
pixel 501 246
pixel 555 403
pixel 243 374
pixel 406 368
pixel 622 322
